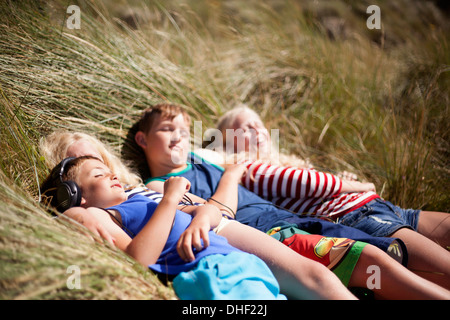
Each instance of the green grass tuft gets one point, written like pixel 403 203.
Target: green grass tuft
pixel 375 102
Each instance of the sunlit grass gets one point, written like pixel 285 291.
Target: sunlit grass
pixel 372 102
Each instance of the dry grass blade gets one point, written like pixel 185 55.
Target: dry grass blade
pixel 374 102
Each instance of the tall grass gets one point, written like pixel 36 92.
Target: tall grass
pixel 37 251
pixel 374 102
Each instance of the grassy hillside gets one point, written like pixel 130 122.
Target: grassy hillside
pixel 375 102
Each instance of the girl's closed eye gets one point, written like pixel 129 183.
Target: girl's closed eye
pixel 99 173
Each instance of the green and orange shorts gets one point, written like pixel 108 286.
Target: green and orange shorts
pixel 340 255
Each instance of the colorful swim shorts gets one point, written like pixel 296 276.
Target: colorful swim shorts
pixel 340 255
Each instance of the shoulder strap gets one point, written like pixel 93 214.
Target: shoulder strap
pixel 128 231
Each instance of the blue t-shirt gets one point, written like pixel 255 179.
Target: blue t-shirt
pixel 262 214
pixel 136 212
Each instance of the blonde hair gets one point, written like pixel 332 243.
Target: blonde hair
pixel 226 122
pixel 54 149
pixel 228 118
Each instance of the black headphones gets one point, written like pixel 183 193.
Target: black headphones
pixel 67 194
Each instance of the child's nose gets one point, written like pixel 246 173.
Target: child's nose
pixel 176 136
pixel 112 176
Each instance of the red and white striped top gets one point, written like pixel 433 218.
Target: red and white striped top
pixel 304 191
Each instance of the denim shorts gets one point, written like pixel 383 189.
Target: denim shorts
pixel 380 218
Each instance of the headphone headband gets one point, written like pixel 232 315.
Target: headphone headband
pixel 60 168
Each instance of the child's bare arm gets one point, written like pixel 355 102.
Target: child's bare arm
pixel 206 217
pixel 118 237
pixel 356 186
pixel 158 186
pixel 158 228
pixel 226 195
pixel 91 223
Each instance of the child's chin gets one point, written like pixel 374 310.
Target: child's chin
pixel 178 159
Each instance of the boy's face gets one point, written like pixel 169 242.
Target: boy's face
pixel 99 186
pixel 167 142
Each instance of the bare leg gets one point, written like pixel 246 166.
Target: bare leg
pixel 299 277
pixel 436 226
pixel 393 281
pixel 425 257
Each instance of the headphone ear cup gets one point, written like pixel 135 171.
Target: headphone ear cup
pixel 68 195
